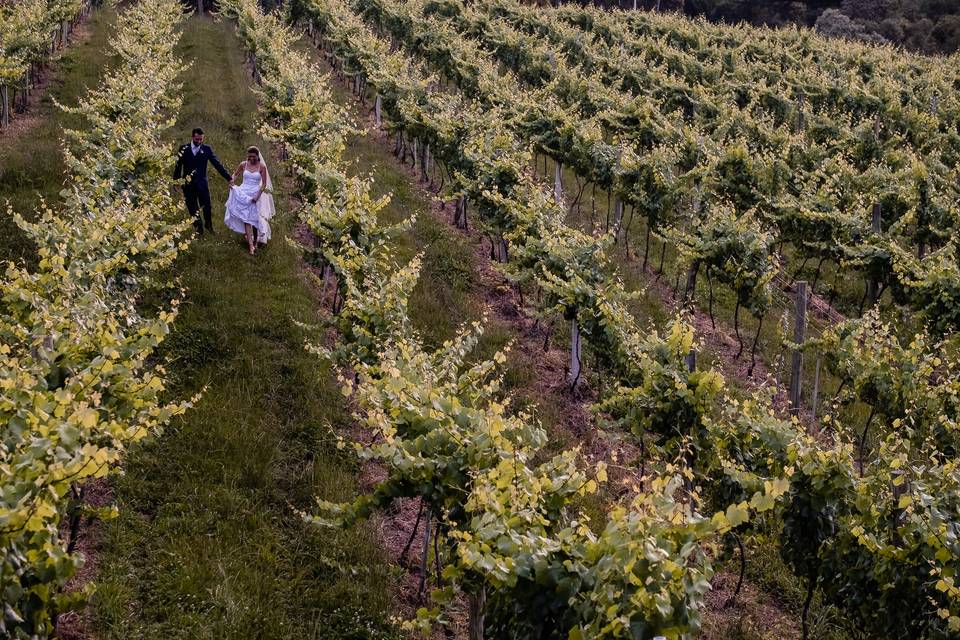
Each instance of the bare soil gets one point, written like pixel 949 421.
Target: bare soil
pixel 76 625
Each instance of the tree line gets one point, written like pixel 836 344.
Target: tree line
pixel 926 26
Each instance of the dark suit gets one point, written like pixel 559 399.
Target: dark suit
pixel 196 191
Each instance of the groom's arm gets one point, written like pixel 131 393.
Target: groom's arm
pixel 178 170
pixel 219 167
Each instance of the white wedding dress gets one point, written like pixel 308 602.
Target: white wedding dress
pixel 240 209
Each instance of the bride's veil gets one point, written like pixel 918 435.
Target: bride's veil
pixel 265 203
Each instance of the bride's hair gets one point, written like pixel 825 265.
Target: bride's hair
pixel 253 150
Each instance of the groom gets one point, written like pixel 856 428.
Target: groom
pixel 192 167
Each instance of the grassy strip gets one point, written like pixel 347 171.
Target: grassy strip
pixel 446 294
pixel 31 159
pixel 207 544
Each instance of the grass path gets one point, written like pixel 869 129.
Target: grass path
pixel 447 294
pixel 207 545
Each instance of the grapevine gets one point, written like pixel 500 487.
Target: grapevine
pixel 77 369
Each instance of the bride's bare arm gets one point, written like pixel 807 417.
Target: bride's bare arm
pixel 263 181
pixel 239 170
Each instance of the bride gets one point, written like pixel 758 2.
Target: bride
pixel 250 205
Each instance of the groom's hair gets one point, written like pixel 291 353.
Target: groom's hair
pixel 197 131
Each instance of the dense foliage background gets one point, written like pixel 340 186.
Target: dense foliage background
pixel 928 26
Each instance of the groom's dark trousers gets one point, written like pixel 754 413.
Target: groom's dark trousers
pixel 196 191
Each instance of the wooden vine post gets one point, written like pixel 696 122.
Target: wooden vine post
pixel 618 203
pixel 873 287
pixel 690 455
pixel 816 389
pixel 618 218
pixel 477 603
pixel 801 116
pixel 424 161
pixel 4 105
pixel 576 354
pixel 796 364
pixel 460 213
pixel 558 182
pixel 690 291
pixel 424 555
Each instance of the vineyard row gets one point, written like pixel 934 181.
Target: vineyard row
pixel 78 373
